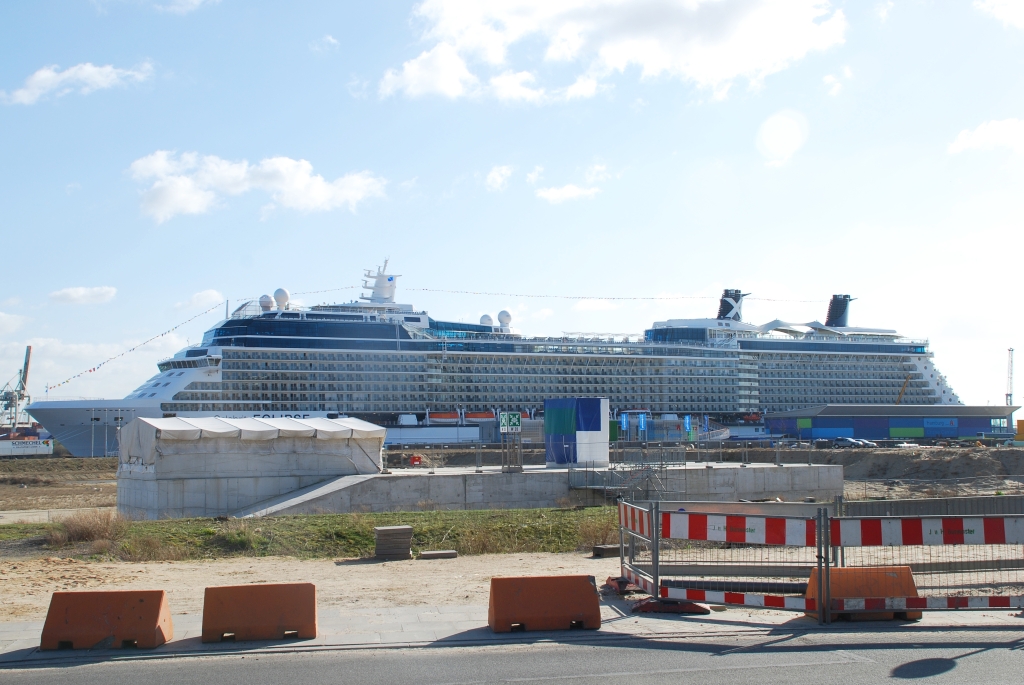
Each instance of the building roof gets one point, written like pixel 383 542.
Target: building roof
pixel 887 410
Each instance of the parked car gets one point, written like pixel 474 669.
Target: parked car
pixel 906 445
pixel 846 442
pixel 866 443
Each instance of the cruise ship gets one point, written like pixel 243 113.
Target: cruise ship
pixel 392 364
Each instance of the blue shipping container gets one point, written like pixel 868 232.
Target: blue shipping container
pixel 829 433
pixel 833 422
pixel 906 422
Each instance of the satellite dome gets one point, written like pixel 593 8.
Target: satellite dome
pixel 281 297
pixel 504 318
pixel 266 302
pixel 486 320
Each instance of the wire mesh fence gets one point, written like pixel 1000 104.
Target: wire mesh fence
pixel 895 564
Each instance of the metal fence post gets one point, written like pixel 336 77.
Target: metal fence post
pixel 821 580
pixel 655 546
pixel 622 546
pixel 827 548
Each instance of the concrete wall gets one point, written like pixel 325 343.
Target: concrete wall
pixel 451 489
pixel 180 493
pixel 197 484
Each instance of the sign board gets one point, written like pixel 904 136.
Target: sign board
pixel 641 422
pixel 624 422
pixel 686 423
pixel 510 422
pixel 707 425
pixel 940 423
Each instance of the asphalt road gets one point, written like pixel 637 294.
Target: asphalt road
pixel 952 656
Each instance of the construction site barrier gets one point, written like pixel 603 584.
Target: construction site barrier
pixel 260 612
pixel 111 619
pixel 543 603
pixel 875 567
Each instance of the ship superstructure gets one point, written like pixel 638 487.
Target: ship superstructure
pixel 384 361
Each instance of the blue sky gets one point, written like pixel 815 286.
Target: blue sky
pixel 159 157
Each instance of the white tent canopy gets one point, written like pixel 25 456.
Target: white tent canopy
pixel 145 439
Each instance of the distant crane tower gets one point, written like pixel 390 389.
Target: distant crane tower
pixel 14 393
pixel 1009 378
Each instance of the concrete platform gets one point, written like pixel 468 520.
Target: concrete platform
pixel 540 487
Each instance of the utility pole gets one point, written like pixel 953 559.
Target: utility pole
pixel 1009 378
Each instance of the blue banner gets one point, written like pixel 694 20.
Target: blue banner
pixel 686 423
pixel 641 422
pixel 706 423
pixel 624 422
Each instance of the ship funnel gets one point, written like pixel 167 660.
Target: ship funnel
pixel 838 311
pixel 731 305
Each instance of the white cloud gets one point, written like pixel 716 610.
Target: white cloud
pixel 184 6
pixel 583 87
pixel 203 298
pixel 535 175
pixel 84 78
pixel 835 83
pixel 1007 133
pixel 190 184
pixel 325 44
pixel 883 9
pixel 513 86
pixel 595 306
pixel 438 71
pixel 1010 12
pixel 710 43
pixel 10 323
pixel 781 135
pixel 497 179
pixel 80 295
pixel 567 192
pixel 597 172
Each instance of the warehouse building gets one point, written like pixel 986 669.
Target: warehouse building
pixel 892 422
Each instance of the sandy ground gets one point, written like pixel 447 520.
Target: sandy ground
pixel 67 495
pixel 25 585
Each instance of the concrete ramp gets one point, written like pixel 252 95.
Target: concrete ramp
pixel 282 504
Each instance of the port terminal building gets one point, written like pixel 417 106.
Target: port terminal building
pixel 892 422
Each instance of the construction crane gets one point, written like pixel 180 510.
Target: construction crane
pixel 903 389
pixel 1009 378
pixel 15 393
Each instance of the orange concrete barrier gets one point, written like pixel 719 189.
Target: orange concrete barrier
pixel 100 620
pixel 259 612
pixel 543 603
pixel 869 582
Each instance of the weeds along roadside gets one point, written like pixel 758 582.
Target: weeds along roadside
pixel 104 535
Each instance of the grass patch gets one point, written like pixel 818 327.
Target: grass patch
pixel 23 531
pixel 336 535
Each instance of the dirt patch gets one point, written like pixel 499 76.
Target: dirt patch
pixel 57 483
pixel 25 586
pixel 70 495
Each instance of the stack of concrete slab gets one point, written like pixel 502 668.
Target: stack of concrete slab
pixel 393 542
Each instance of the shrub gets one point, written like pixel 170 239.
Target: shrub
pixel 150 549
pixel 240 535
pixel 602 530
pixel 87 526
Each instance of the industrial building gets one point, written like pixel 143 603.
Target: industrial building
pixel 892 422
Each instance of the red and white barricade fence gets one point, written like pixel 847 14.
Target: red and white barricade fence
pixel 672 555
